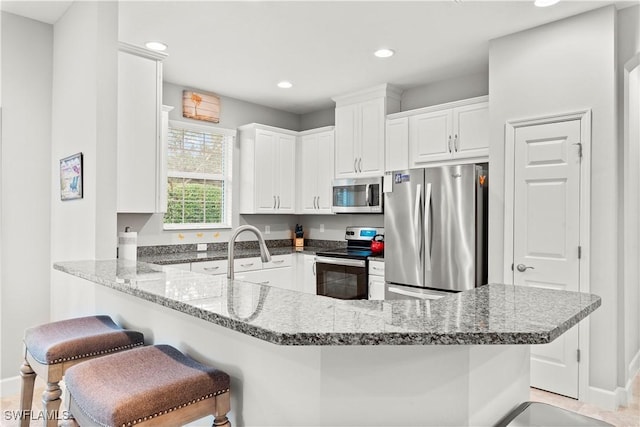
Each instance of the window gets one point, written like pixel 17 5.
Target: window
pixel 198 176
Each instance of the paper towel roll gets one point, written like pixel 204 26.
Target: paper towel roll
pixel 128 245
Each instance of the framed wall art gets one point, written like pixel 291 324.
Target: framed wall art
pixel 71 177
pixel 200 106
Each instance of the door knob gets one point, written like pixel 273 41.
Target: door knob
pixel 522 268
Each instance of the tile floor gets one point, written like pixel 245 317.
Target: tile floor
pixel 624 417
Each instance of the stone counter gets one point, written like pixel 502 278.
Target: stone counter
pixel 491 314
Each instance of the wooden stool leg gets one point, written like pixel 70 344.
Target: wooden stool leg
pixel 51 402
pixel 223 406
pixel 26 393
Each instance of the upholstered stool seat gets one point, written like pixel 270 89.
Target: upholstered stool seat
pixel 52 348
pixel 155 385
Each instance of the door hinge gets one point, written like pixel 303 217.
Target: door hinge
pixel 579 252
pixel 578 355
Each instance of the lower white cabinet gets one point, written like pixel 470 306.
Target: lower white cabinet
pixel 210 267
pixel 309 274
pixel 376 280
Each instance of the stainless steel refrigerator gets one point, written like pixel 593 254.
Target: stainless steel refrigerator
pixel 435 225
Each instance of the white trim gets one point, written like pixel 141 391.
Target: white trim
pixel 605 399
pixel 254 126
pixel 585 219
pixel 179 124
pixel 438 107
pixel 141 51
pixel 317 130
pixel 385 90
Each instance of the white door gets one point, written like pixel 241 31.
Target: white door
pixel 471 130
pixel 346 138
pixel 285 178
pixel 265 159
pixel 324 165
pixel 546 236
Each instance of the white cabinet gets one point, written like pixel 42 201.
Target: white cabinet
pixel 267 169
pixel 376 280
pixel 140 184
pixel 210 267
pixel 315 172
pixel 454 133
pixel 309 275
pixel 360 131
pixel 397 144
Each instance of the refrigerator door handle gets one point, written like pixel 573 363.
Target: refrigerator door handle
pixel 427 223
pixel 417 221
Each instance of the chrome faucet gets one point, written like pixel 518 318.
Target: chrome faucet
pixel 264 252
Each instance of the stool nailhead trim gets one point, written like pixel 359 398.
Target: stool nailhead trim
pixel 166 411
pixel 95 353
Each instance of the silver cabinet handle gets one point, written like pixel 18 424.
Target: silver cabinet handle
pixel 360 164
pixel 455 142
pixel 522 268
pixel 211 268
pixel 355 165
pixel 315 202
pixel 376 268
pixel 274 202
pixel 314 268
pixel 278 261
pixel 246 265
pixel 449 144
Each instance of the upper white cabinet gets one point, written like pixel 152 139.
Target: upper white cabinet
pixel 267 169
pixel 315 172
pixel 397 144
pixel 140 181
pixel 360 131
pixel 448 132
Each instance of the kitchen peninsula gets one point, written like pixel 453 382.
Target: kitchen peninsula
pixel 300 359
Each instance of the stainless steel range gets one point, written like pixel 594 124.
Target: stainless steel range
pixel 343 272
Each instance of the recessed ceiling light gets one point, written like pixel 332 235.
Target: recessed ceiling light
pixel 159 46
pixel 383 53
pixel 285 85
pixel 545 3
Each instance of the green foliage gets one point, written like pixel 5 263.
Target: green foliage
pixel 194 201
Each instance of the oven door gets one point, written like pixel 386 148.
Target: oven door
pixel 341 278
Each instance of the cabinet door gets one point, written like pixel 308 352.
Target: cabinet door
pixel 324 167
pixel 430 137
pixel 471 130
pixel 284 169
pixel 265 171
pixel 309 286
pixel 397 144
pixel 210 267
pixel 371 138
pixel 376 287
pixel 346 137
pixel 309 173
pixel 138 133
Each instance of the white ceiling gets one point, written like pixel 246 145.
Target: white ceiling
pixel 241 49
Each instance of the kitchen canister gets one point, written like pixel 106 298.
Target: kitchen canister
pixel 128 245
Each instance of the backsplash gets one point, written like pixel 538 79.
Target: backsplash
pixel 223 246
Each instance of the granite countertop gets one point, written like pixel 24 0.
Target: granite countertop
pixel 490 314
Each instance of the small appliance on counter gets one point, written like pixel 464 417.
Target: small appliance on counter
pixel 299 239
pixel 343 272
pixel 436 229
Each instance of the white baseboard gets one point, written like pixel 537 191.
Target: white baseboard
pixel 626 393
pixel 10 386
pixel 605 399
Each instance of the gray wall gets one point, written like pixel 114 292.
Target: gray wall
pixel 26 183
pixel 454 89
pixel 522 86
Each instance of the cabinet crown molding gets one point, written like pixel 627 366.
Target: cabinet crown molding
pixel 385 90
pixel 141 51
pixel 453 104
pixel 254 126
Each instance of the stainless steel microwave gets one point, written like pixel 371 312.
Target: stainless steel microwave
pixel 357 195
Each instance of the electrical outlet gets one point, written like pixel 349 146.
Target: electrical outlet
pixel 267 229
pixel 322 228
pixel 202 247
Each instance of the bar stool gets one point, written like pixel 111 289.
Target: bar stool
pixel 147 386
pixel 52 348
